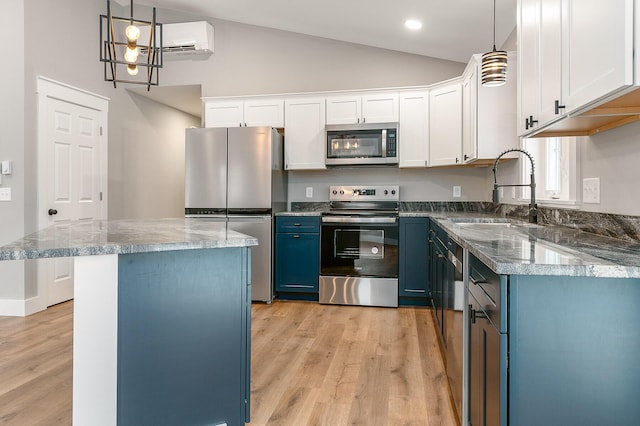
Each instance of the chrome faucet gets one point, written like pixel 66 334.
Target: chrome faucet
pixel 533 207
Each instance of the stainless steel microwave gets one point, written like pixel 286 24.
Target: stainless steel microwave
pixel 362 144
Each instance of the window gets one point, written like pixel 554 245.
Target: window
pixel 555 169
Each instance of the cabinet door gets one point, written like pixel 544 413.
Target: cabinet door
pixel 528 63
pixel 264 112
pixel 540 62
pixel 469 115
pixel 413 142
pixel 550 63
pixel 598 49
pixel 380 108
pixel 413 273
pixel 305 137
pixel 445 125
pixel 344 109
pixel 486 370
pixel 223 114
pixel 297 266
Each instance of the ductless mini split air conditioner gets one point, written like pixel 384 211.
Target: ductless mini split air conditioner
pixel 184 39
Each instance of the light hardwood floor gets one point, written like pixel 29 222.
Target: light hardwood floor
pixel 311 365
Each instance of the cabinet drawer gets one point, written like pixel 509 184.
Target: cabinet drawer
pixel 310 224
pixel 489 289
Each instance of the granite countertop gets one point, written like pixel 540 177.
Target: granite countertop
pixel 85 238
pixel 510 246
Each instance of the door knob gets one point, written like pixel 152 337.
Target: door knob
pixel 53 212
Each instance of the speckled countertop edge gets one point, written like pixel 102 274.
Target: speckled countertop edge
pixel 552 250
pixel 87 238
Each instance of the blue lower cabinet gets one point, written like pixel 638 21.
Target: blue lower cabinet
pixel 552 350
pixel 413 261
pixel 297 257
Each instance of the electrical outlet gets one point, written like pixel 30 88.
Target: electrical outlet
pixel 513 193
pixel 591 190
pixel 5 194
pixel 456 191
pixel 309 192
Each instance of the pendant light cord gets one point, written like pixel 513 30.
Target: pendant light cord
pixel 494 25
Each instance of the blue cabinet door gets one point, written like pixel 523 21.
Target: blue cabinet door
pixel 297 259
pixel 413 273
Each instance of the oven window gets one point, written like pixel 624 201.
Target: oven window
pixel 359 250
pixel 356 243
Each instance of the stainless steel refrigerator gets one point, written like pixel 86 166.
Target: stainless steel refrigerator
pixel 236 175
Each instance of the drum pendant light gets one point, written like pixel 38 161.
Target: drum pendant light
pixel 494 63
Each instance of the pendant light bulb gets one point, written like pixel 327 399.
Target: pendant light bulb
pixel 131 53
pixel 132 69
pixel 132 32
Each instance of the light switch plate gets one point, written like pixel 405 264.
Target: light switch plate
pixel 457 191
pixel 309 192
pixel 591 190
pixel 5 167
pixel 5 194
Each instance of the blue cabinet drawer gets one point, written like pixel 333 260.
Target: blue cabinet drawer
pixel 306 224
pixel 489 289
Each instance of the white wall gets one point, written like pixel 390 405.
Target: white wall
pixel 12 222
pixel 146 161
pixel 614 157
pixel 415 184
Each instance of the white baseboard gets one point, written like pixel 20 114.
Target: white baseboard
pixel 21 308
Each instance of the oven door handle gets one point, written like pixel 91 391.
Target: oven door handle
pixel 352 219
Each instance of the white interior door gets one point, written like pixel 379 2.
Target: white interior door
pixel 72 169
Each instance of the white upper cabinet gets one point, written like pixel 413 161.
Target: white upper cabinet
pixel 239 113
pixel 597 49
pixel 305 136
pixel 413 137
pixel 540 63
pixel 380 108
pixel 488 113
pixel 344 109
pixel 223 113
pixel 357 109
pixel 445 124
pixel 573 56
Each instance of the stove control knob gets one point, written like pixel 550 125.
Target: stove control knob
pixel 341 192
pixel 335 192
pixel 393 192
pixel 386 192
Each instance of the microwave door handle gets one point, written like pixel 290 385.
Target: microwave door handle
pixel 384 143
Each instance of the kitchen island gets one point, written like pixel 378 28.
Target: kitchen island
pixel 162 318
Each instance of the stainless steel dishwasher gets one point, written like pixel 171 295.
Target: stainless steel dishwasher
pixel 454 319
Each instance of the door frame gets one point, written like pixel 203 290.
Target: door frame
pixel 50 89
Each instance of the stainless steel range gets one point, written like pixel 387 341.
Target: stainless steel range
pixel 359 246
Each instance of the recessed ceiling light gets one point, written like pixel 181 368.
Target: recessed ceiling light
pixel 413 24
